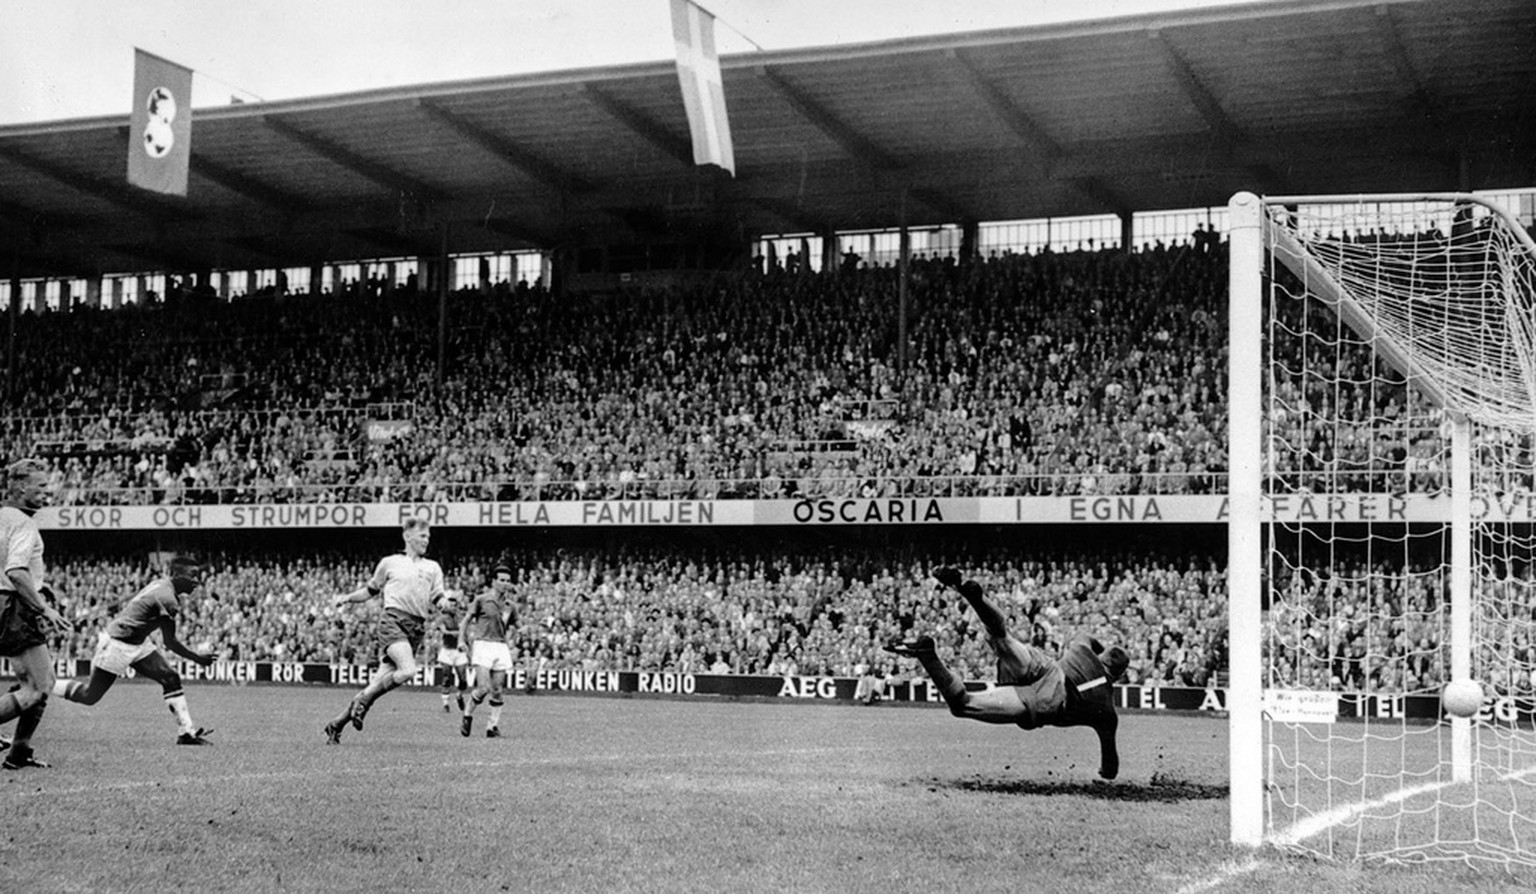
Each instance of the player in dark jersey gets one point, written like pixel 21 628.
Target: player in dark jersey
pixel 452 661
pixel 1032 689
pixel 484 630
pixel 126 643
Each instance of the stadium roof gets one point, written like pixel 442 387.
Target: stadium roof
pixel 1168 110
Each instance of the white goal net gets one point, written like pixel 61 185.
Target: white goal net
pixel 1383 402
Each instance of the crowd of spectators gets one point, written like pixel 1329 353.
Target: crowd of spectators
pixel 1098 372
pixel 829 610
pixel 1051 372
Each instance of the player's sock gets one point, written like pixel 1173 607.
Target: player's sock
pixel 27 721
pixel 495 718
pixel 949 686
pixel 68 689
pixel 380 685
pixel 177 703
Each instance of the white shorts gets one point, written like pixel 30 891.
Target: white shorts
pixel 452 657
pixel 115 656
pixel 491 655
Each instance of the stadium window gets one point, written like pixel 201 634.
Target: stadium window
pixel 298 279
pixel 1175 227
pixel 531 267
pixel 1013 237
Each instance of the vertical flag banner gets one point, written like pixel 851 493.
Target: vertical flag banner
pixel 160 135
pixel 698 71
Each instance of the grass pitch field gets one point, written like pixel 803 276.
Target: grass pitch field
pixel 633 794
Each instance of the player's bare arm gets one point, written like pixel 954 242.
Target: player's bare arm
pixel 467 642
pixel 1109 754
pixel 168 634
pixel 361 594
pixel 26 589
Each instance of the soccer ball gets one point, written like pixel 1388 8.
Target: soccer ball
pixel 1462 698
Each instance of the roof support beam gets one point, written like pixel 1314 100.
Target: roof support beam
pixel 852 142
pixel 247 186
pixel 121 195
pixel 357 164
pixel 1392 43
pixel 167 260
pixel 1199 95
pixel 1003 106
pixel 637 121
pixel 513 230
pixel 1095 189
pixel 791 213
pixel 234 181
pixel 505 149
pixel 390 241
pixel 945 205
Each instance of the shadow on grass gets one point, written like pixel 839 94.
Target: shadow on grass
pixel 1160 788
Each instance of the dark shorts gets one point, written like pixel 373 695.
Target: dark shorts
pixel 397 626
pixel 1081 664
pixel 21 627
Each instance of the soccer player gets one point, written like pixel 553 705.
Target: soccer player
pixel 1032 690
pixel 26 615
pixel 126 644
pixel 484 629
pixel 412 586
pixel 450 658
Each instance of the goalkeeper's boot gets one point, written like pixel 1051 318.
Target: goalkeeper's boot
pixel 21 757
pixel 333 733
pixel 357 712
pixel 949 577
pixel 912 648
pixel 198 738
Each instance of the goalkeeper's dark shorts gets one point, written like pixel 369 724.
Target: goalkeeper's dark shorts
pixel 21 626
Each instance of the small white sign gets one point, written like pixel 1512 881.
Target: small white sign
pixel 1301 706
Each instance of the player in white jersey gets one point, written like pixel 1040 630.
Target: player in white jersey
pixel 126 643
pixel 26 615
pixel 484 629
pixel 411 586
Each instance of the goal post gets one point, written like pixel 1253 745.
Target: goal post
pixel 1382 406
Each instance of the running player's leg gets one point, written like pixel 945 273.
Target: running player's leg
pixel 480 660
pixel 397 669
pixel 154 667
pixel 498 684
pixel 89 691
pixel 34 669
pixel 445 667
